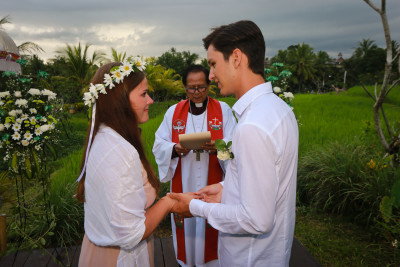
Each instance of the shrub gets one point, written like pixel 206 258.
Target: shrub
pixel 346 179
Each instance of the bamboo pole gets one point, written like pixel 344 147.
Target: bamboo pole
pixel 3 237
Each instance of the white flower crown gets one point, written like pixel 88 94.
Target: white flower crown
pixel 118 73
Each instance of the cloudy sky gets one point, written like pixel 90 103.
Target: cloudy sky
pixel 151 27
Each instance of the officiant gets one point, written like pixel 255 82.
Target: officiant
pixel 195 242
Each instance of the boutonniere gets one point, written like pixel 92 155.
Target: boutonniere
pixel 224 150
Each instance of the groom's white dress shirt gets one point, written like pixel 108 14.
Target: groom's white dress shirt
pixel 256 216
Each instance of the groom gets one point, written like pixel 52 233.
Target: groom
pixel 254 208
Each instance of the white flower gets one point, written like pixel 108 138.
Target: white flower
pixel 19 111
pixel 44 128
pixel 117 76
pixel 51 95
pixel 19 120
pixel 88 99
pixel 32 120
pixel 126 68
pixel 93 91
pixel 33 110
pixel 38 131
pixel 16 127
pixel 223 155
pixel 288 95
pixel 1 127
pixel 395 243
pixel 108 81
pixel 37 147
pixel 25 142
pixel 277 89
pixel 52 126
pixel 101 88
pixel 4 94
pixel 7 125
pixel 141 65
pixel 21 102
pixel 12 113
pixel 18 94
pixel 24 116
pixel 34 91
pixel 28 136
pixel 43 119
pixel 16 136
pixel 1 103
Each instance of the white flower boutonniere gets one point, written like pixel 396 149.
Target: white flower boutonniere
pixel 224 150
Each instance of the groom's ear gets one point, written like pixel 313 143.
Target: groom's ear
pixel 236 57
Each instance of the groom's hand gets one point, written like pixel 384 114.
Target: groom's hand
pixel 211 193
pixel 181 207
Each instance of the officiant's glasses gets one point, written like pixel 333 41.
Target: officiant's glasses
pixel 192 90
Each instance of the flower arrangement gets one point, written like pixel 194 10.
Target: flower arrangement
pixel 117 75
pixel 224 149
pixel 26 121
pixel 279 78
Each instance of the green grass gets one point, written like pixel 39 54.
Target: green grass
pixel 330 117
pixel 336 242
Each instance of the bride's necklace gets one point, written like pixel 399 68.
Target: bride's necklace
pixel 198 151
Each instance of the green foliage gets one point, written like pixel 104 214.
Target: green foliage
pixel 68 212
pixel 344 178
pixel 164 84
pixel 178 61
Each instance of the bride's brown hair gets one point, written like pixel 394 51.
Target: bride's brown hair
pixel 114 110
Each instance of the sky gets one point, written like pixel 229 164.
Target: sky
pixel 151 27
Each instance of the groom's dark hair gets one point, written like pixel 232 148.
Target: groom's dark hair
pixel 246 36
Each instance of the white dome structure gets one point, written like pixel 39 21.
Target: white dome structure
pixel 8 54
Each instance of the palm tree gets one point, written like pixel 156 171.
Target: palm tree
pixel 117 57
pixel 301 60
pixel 364 47
pixel 81 66
pixel 164 84
pixel 189 58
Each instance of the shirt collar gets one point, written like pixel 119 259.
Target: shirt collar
pixel 246 99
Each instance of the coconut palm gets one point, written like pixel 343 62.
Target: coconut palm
pixel 364 47
pixel 301 60
pixel 81 66
pixel 117 57
pixel 164 84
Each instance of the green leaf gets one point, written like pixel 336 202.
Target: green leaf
pixel 36 160
pixel 14 162
pixel 28 167
pixel 52 151
pixel 229 144
pixel 396 194
pixel 42 241
pixel 386 208
pixel 220 144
